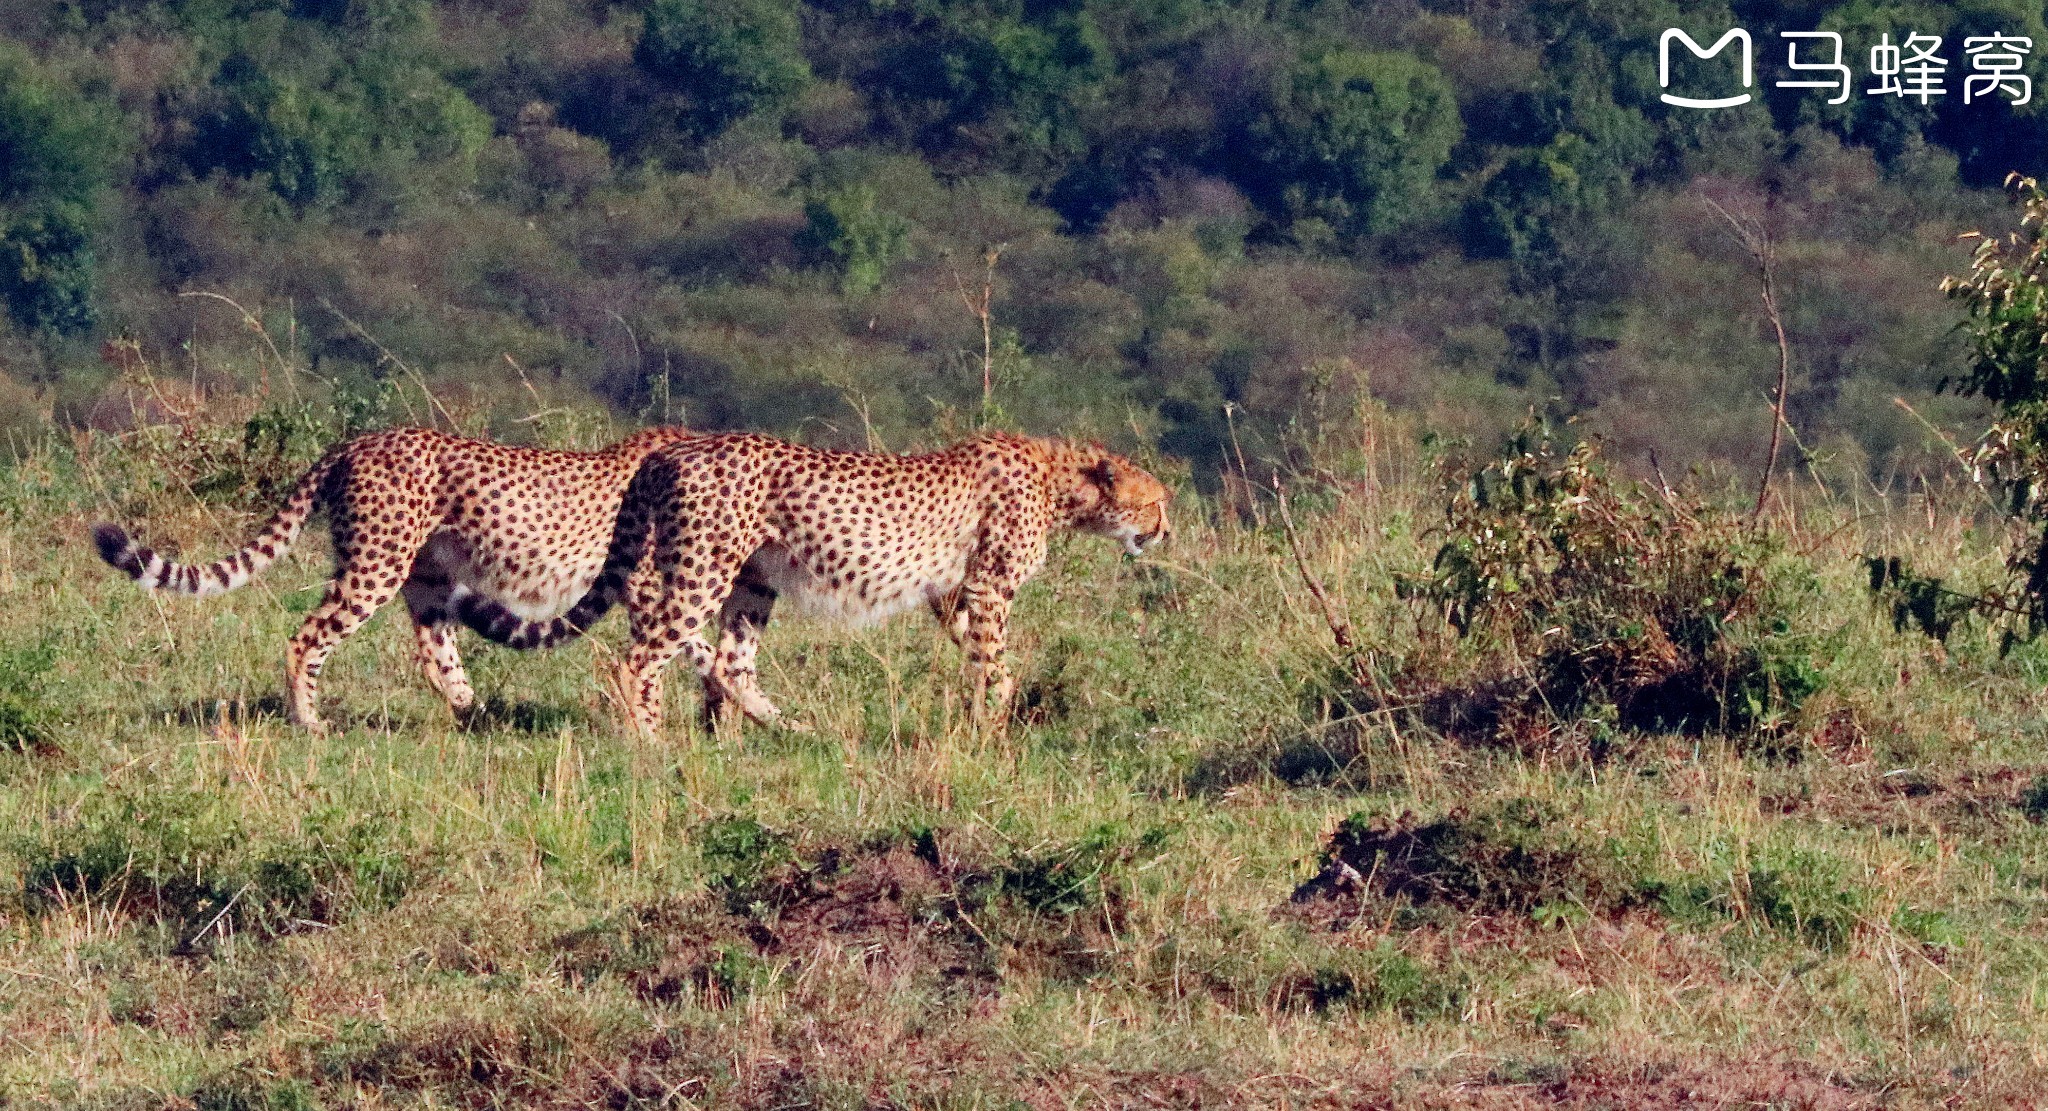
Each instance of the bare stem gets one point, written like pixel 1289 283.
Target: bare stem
pixel 1755 237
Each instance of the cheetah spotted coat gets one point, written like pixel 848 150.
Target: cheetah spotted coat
pixel 739 521
pixel 424 514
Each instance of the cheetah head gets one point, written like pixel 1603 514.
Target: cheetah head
pixel 1118 499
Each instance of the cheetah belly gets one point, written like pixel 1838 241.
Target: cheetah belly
pixel 863 597
pixel 538 589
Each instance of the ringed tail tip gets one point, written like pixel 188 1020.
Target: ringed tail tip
pixel 114 547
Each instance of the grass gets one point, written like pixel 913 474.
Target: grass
pixel 1128 899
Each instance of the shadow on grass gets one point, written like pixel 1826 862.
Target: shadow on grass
pixel 1345 755
pixel 214 713
pixel 526 716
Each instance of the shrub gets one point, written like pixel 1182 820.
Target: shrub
pixel 56 157
pixel 844 230
pixel 740 856
pixel 1356 140
pixel 1592 599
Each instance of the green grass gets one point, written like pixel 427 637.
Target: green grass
pixel 198 903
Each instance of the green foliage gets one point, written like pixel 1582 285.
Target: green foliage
pixel 2006 296
pixel 1808 898
pixel 727 59
pixel 54 144
pixel 1665 610
pixel 740 855
pixel 845 230
pixel 1357 140
pixel 1384 979
pixel 316 134
pixel 47 268
pixel 56 159
pixel 473 188
pixel 25 711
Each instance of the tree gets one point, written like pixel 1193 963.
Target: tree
pixel 1356 140
pixel 56 159
pixel 845 230
pixel 315 134
pixel 726 58
pixel 2006 296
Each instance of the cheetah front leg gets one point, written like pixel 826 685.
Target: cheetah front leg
pixel 746 613
pixel 988 623
pixel 1009 553
pixel 949 610
pixel 434 643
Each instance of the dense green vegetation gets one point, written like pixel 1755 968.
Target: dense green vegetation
pixel 759 214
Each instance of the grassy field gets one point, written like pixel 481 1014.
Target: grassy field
pixel 1113 903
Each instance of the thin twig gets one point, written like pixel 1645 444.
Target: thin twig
pixel 1756 239
pixel 1340 629
pixel 364 334
pixel 981 305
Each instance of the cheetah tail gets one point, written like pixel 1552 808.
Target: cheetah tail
pixel 153 572
pixel 493 621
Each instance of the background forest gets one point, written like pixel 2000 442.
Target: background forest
pixel 745 213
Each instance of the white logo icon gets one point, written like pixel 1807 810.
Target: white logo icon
pixel 1664 67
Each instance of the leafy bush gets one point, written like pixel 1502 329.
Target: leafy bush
pixel 316 135
pixel 740 856
pixel 56 157
pixel 1356 140
pixel 727 58
pixel 1591 598
pixel 844 229
pixel 2006 295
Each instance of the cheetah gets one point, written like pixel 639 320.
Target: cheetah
pixel 423 514
pixel 739 521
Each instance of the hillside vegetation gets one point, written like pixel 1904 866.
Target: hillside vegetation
pixel 776 216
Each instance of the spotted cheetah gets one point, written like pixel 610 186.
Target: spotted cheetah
pixel 740 520
pixel 423 514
